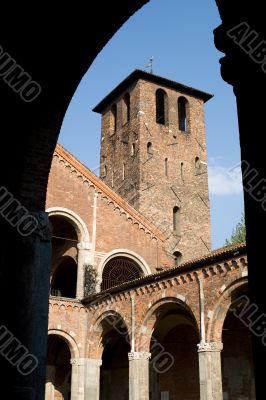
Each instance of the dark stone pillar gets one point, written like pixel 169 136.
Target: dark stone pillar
pixel 24 292
pixel 246 75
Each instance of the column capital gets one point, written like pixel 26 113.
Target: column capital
pixel 77 361
pixel 84 246
pixel 83 361
pixel 40 223
pixel 210 346
pixel 139 355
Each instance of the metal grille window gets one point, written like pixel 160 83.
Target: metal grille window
pixel 119 270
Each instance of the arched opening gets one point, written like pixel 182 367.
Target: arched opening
pixel 174 371
pixel 133 149
pixel 113 119
pixel 176 220
pixel 197 165
pixel 64 279
pixel 177 257
pixel 182 171
pixel 58 370
pixel 62 230
pixel 64 268
pixel 119 270
pixel 161 107
pixel 236 356
pixel 126 108
pixel 112 180
pixel 182 105
pixel 114 371
pixel 149 150
pixel 123 171
pixel 166 167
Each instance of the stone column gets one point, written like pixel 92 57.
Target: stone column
pixel 24 289
pixel 139 375
pixel 50 380
pixel 92 378
pixel 84 257
pixel 210 371
pixel 77 378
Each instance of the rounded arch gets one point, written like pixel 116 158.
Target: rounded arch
pixel 111 314
pixel 149 320
pixel 161 106
pixel 183 113
pixel 131 255
pixel 74 219
pixel 102 325
pixel 224 301
pixel 70 341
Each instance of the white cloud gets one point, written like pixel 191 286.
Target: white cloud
pixel 223 181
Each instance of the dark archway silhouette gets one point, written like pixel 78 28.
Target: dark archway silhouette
pixel 37 124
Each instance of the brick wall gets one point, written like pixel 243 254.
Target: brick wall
pixel 145 184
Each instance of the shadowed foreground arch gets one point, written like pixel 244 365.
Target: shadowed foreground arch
pixel 57 63
pixel 56 54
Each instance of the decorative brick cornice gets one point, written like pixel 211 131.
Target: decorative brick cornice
pixel 106 192
pixel 234 258
pixel 64 303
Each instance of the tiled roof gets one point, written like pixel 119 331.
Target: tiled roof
pixel 139 74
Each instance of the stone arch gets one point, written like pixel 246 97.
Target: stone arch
pixel 222 304
pixel 74 219
pixel 70 341
pixel 131 255
pixel 147 325
pixel 82 244
pixel 94 348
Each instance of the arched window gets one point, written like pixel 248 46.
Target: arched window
pixel 197 165
pixel 113 122
pixel 112 180
pixel 161 107
pixel 182 171
pixel 149 150
pixel 126 108
pixel 133 149
pixel 176 220
pixel 166 167
pixel 177 257
pixel 124 171
pixel 105 170
pixel 182 114
pixel 119 270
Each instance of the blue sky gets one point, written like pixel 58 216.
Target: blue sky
pixel 179 35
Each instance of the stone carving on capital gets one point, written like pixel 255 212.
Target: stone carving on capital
pixel 84 245
pixel 139 355
pixel 43 225
pixel 210 346
pixel 77 361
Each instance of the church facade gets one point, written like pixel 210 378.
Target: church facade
pixel 141 307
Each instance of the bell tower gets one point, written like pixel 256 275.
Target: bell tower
pixel 153 154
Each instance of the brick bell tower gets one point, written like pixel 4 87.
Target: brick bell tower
pixel 153 154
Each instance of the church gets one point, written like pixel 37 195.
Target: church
pixel 141 307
